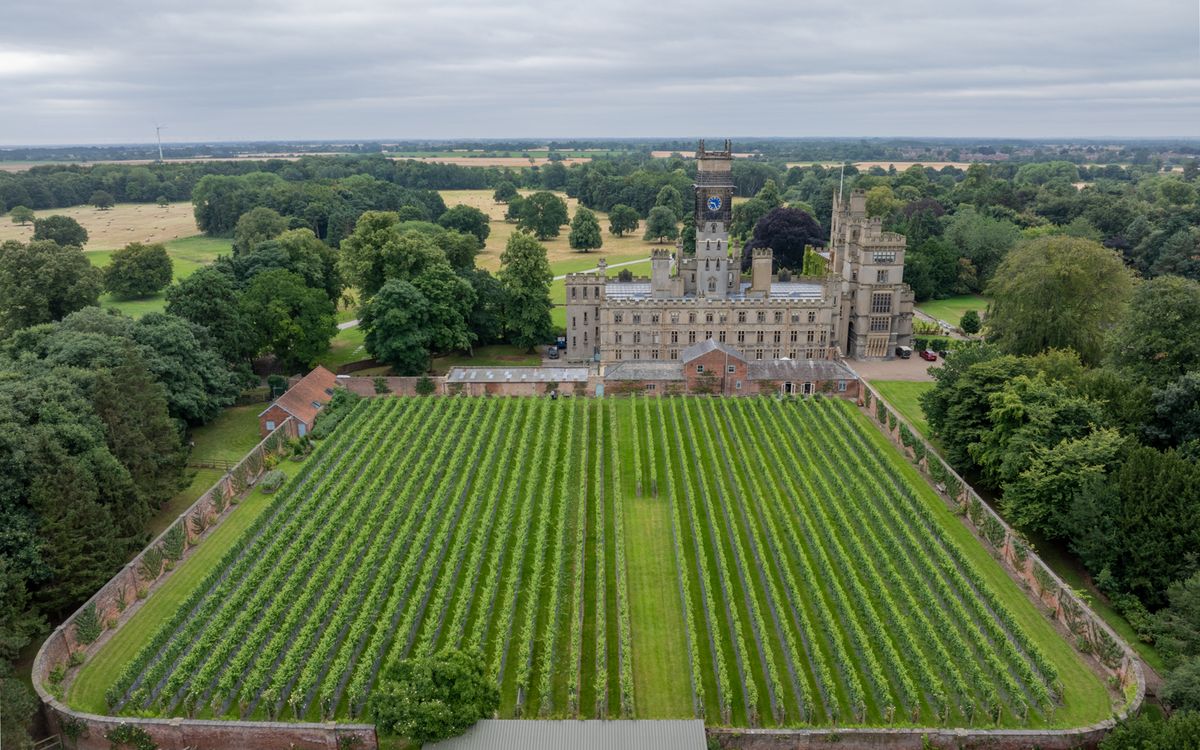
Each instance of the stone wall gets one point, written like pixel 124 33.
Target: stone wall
pixel 909 739
pixel 123 595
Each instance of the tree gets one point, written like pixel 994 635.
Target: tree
pixel 468 220
pixel 450 300
pixel 1177 626
pixel 585 231
pixel 1149 732
pixel 671 198
pixel 61 229
pixel 396 322
pixel 661 225
pixel 542 214
pixel 1156 339
pixel 505 192
pixel 1181 690
pixel 288 318
pixel 1058 292
pixel 138 270
pixel 162 201
pixel 525 276
pixel 209 298
pixel 1175 416
pixel 487 316
pixel 981 240
pixel 22 215
pixel 43 281
pixel 257 225
pixel 103 200
pixel 622 220
pixel 970 323
pixel 431 698
pixel 787 231
pixel 379 250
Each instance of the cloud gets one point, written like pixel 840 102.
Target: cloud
pixel 82 71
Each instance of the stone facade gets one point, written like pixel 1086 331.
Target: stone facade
pixel 861 308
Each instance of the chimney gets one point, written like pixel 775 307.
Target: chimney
pixel 760 271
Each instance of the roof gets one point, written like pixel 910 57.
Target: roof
pixel 799 370
pixel 645 370
pixel 706 346
pixel 304 399
pixel 518 375
pixel 795 290
pixel 626 289
pixel 507 734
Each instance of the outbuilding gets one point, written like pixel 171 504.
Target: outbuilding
pixel 303 401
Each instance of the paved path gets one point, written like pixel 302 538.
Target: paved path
pixel 913 368
pixel 614 265
pixel 347 324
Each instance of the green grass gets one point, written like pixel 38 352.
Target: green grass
pixel 346 347
pixel 951 309
pixel 228 437
pixel 86 692
pixel 187 255
pixel 905 396
pixel 558 287
pixel 734 470
pixel 498 355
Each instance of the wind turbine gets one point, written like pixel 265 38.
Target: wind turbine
pixel 158 133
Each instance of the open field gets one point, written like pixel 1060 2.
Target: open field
pixel 951 309
pixel 187 254
pixel 558 287
pixel 905 396
pixel 118 226
pixel 750 561
pixel 615 249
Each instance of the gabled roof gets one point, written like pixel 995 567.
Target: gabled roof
pixel 525 734
pixel 304 399
pixel 645 370
pixel 518 375
pixel 706 346
pixel 799 370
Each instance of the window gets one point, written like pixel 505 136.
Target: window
pixel 573 290
pixel 724 317
pixel 778 336
pixel 707 335
pixel 762 316
pixel 812 316
pixel 721 337
pixel 585 292
pixel 637 337
pixel 742 316
pixel 674 317
pixel 881 323
pixel 637 354
pixel 674 337
pixel 699 368
pixel 741 337
pixel 328 391
pixel 707 317
pixel 653 354
pixel 881 302
pixel 653 317
pixel 795 336
pixel 674 354
pixel 585 318
pixel 737 384
pixel 270 425
pixel 760 337
pixel 841 386
pixel 317 404
pixel 712 285
pixel 731 369
pixel 691 337
pixel 888 257
pixel 649 386
pixel 779 316
pixel 637 318
pixel 795 317
pixel 617 354
pixel 881 276
pixel 758 353
pixel 572 321
pixel 617 317
pixel 616 338
pixel 585 338
pixel 691 317
pixel 812 336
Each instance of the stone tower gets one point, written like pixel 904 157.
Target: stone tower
pixel 713 214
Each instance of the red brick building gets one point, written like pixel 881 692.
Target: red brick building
pixel 719 369
pixel 303 401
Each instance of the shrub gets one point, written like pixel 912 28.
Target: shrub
pixel 127 735
pixel 199 523
pixel 425 386
pixel 970 323
pixel 174 542
pixel 381 386
pixel 271 481
pixel 427 699
pixel 87 624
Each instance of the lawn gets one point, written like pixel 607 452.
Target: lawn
pixel 498 355
pixel 187 255
pixel 905 395
pixel 754 561
pixel 228 437
pixel 951 309
pixel 345 347
pixel 558 287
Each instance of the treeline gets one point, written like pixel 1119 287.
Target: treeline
pixel 1082 411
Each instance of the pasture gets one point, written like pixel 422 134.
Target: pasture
pixel 754 562
pixel 118 226
pixel 187 254
pixel 952 309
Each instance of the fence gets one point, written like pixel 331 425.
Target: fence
pixel 93 624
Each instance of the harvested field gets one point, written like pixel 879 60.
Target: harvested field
pixel 119 225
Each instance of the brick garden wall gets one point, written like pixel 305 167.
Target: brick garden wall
pixel 122 596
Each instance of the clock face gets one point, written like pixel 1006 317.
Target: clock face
pixel 714 203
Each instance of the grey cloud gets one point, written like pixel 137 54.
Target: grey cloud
pixel 106 71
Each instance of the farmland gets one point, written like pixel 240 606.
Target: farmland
pixel 749 561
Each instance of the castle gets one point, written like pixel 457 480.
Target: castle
pixel 861 308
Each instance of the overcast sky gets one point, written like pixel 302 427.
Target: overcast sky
pixel 100 71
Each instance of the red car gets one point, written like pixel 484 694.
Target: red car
pixel 928 355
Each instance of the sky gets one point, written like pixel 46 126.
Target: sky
pixel 108 71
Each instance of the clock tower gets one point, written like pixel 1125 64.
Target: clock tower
pixel 713 189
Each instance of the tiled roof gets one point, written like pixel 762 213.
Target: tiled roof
pixel 524 734
pixel 799 370
pixel 304 399
pixel 645 370
pixel 706 346
pixel 518 375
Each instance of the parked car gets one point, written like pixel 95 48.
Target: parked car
pixel 928 355
pixel 552 352
pixel 903 352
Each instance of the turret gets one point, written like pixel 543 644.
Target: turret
pixel 760 271
pixel 660 273
pixel 858 204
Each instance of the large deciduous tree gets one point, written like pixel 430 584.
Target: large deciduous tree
pixel 43 281
pixel 622 220
pixel 61 229
pixel 542 213
pixel 787 231
pixel 138 270
pixel 209 298
pixel 585 231
pixel 661 225
pixel 396 322
pixel 525 275
pixel 450 301
pixel 430 698
pixel 22 215
pixel 468 220
pixel 379 250
pixel 981 240
pixel 1058 292
pixel 289 319
pixel 1157 339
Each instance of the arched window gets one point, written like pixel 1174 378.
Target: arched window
pixel 712 285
